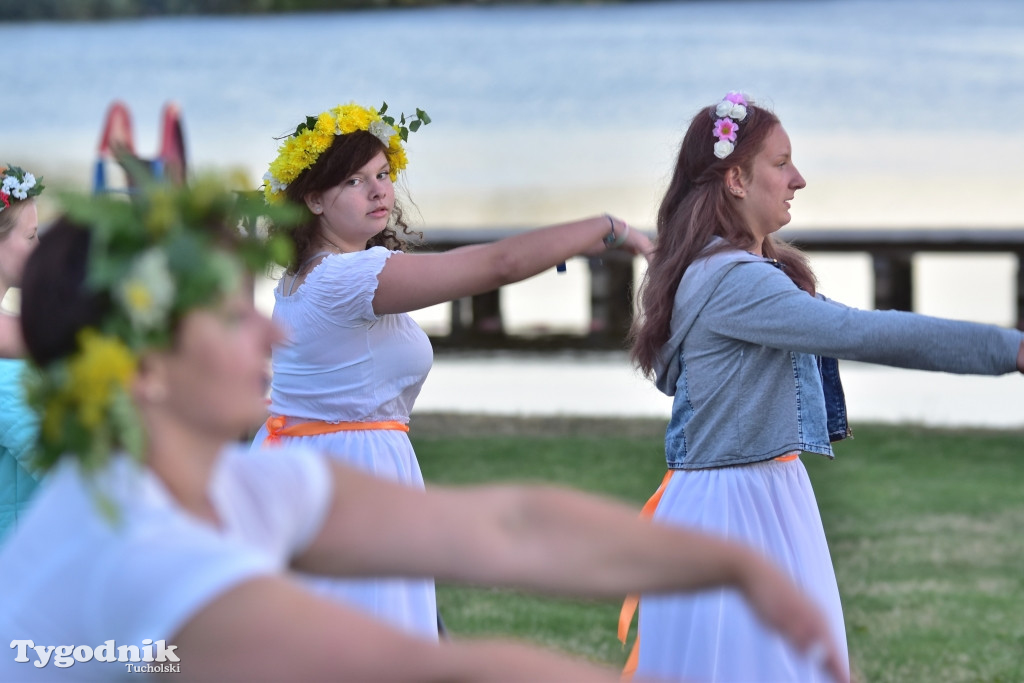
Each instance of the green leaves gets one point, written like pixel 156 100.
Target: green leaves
pixel 414 122
pixel 308 124
pixel 156 254
pixel 32 188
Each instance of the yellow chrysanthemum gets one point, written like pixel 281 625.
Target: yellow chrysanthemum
pixel 396 157
pixel 318 144
pixel 103 365
pixel 351 117
pixel 325 124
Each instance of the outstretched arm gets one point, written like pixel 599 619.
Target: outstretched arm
pixel 409 282
pixel 1020 357
pixel 271 629
pixel 545 539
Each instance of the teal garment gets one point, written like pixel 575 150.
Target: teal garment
pixel 18 430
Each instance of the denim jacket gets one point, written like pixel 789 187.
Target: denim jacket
pixel 750 360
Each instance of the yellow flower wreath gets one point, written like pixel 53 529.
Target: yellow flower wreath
pixel 312 138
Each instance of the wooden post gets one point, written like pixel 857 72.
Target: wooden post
pixel 487 313
pixel 459 326
pixel 611 299
pixel 893 280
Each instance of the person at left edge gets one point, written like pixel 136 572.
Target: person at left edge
pixel 19 225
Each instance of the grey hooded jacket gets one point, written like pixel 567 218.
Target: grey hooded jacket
pixel 744 353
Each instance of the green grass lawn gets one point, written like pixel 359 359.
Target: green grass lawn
pixel 925 526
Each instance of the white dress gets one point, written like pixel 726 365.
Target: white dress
pixel 343 363
pixel 71 577
pixel 714 635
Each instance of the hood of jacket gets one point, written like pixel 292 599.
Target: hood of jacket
pixel 695 289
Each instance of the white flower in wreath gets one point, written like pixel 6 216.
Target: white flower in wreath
pixel 382 131
pixel 148 291
pixel 276 185
pixel 19 188
pixel 723 148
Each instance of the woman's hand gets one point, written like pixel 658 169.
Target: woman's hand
pixel 628 240
pixel 638 243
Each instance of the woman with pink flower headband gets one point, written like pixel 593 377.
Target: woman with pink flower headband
pixel 734 329
pixel 19 222
pixel 345 380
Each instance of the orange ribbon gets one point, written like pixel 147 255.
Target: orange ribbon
pixel 276 428
pixel 632 600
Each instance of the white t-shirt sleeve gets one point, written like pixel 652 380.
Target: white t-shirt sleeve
pixel 150 586
pixel 343 285
pixel 271 506
pixel 277 499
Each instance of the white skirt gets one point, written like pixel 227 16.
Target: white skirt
pixel 713 635
pixel 407 604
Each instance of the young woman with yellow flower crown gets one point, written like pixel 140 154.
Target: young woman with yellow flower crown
pixel 19 223
pixel 354 361
pixel 156 538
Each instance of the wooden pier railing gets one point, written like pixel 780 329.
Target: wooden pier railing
pixel 477 323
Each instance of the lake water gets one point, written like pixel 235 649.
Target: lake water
pixel 903 113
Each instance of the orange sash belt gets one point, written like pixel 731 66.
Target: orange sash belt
pixel 632 601
pixel 276 428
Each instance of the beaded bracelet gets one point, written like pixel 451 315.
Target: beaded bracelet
pixel 611 240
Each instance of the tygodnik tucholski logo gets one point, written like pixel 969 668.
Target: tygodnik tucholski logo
pixel 164 660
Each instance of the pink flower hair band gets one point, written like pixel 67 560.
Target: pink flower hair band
pixel 730 111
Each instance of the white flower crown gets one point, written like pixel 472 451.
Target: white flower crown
pixel 17 184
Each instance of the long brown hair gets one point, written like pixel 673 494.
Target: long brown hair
pixel 347 154
pixel 696 207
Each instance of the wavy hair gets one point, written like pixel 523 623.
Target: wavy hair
pixel 696 207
